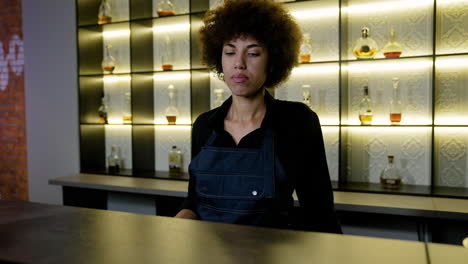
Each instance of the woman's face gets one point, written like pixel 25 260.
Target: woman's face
pixel 244 62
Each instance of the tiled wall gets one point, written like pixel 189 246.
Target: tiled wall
pixel 13 163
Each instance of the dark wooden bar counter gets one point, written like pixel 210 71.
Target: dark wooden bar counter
pixel 39 233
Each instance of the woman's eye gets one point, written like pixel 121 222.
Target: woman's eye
pixel 254 54
pixel 229 53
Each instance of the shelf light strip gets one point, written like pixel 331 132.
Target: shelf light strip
pixel 171 28
pixel 171 76
pixel 117 78
pixel 452 62
pixel 316 13
pixel 387 6
pixel 116 33
pixel 398 66
pixel 315 69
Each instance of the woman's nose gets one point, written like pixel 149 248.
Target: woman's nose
pixel 240 62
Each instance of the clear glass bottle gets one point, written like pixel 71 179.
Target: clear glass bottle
pixel 219 97
pixel 166 56
pixel 392 49
pixel 105 12
pixel 390 177
pixel 365 108
pixel 127 109
pixel 175 162
pixel 108 62
pixel 395 103
pixel 306 49
pixel 165 8
pixel 171 111
pixel 365 47
pixel 113 160
pixel 306 95
pixel 102 111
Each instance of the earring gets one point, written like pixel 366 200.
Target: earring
pixel 221 76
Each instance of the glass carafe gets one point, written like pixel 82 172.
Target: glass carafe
pixel 365 47
pixel 113 160
pixel 166 56
pixel 390 177
pixel 219 97
pixel 171 111
pixel 306 49
pixel 105 12
pixel 395 103
pixel 392 49
pixel 127 108
pixel 175 162
pixel 365 108
pixel 165 8
pixel 102 111
pixel 108 62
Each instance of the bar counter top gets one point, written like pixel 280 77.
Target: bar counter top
pixel 40 233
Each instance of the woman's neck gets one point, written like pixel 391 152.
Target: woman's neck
pixel 247 108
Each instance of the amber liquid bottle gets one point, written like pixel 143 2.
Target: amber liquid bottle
pixel 390 177
pixel 306 49
pixel 175 162
pixel 171 111
pixel 365 108
pixel 104 15
pixel 165 8
pixel 108 62
pixel 392 49
pixel 395 103
pixel 365 47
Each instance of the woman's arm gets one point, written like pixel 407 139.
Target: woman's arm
pixel 187 214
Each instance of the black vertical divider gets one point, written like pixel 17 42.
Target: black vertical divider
pixel 90 50
pixel 343 93
pixel 92 148
pixel 87 12
pixel 140 9
pixel 197 6
pixel 91 91
pixel 141 41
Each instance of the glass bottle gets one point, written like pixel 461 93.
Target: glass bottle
pixel 127 109
pixel 175 162
pixel 365 47
pixel 219 99
pixel 392 49
pixel 395 103
pixel 365 108
pixel 171 111
pixel 390 177
pixel 306 49
pixel 108 62
pixel 306 95
pixel 105 13
pixel 166 57
pixel 165 8
pixel 102 111
pixel 113 160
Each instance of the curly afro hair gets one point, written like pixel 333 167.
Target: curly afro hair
pixel 266 21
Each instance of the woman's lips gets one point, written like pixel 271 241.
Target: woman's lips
pixel 239 78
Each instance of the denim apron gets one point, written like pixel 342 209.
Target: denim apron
pixel 240 185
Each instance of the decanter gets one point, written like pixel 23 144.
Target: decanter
pixel 365 47
pixel 306 49
pixel 104 15
pixel 395 103
pixel 171 111
pixel 113 160
pixel 219 97
pixel 165 8
pixel 306 95
pixel 102 111
pixel 166 57
pixel 127 108
pixel 390 177
pixel 175 162
pixel 108 62
pixel 365 108
pixel 392 49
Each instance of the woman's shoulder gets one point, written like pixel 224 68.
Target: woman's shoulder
pixel 291 110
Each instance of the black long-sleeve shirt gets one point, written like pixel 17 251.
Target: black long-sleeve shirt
pixel 300 149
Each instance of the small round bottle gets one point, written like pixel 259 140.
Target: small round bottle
pixel 390 177
pixel 392 49
pixel 113 160
pixel 175 162
pixel 365 47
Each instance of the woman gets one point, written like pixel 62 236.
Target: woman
pixel 253 152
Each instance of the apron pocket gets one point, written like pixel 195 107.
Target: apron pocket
pixel 230 186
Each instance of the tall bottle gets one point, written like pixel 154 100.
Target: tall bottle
pixel 175 162
pixel 113 160
pixel 390 177
pixel 365 47
pixel 102 111
pixel 365 108
pixel 171 111
pixel 395 103
pixel 105 12
pixel 165 8
pixel 219 97
pixel 306 49
pixel 108 62
pixel 392 49
pixel 306 95
pixel 167 54
pixel 127 109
